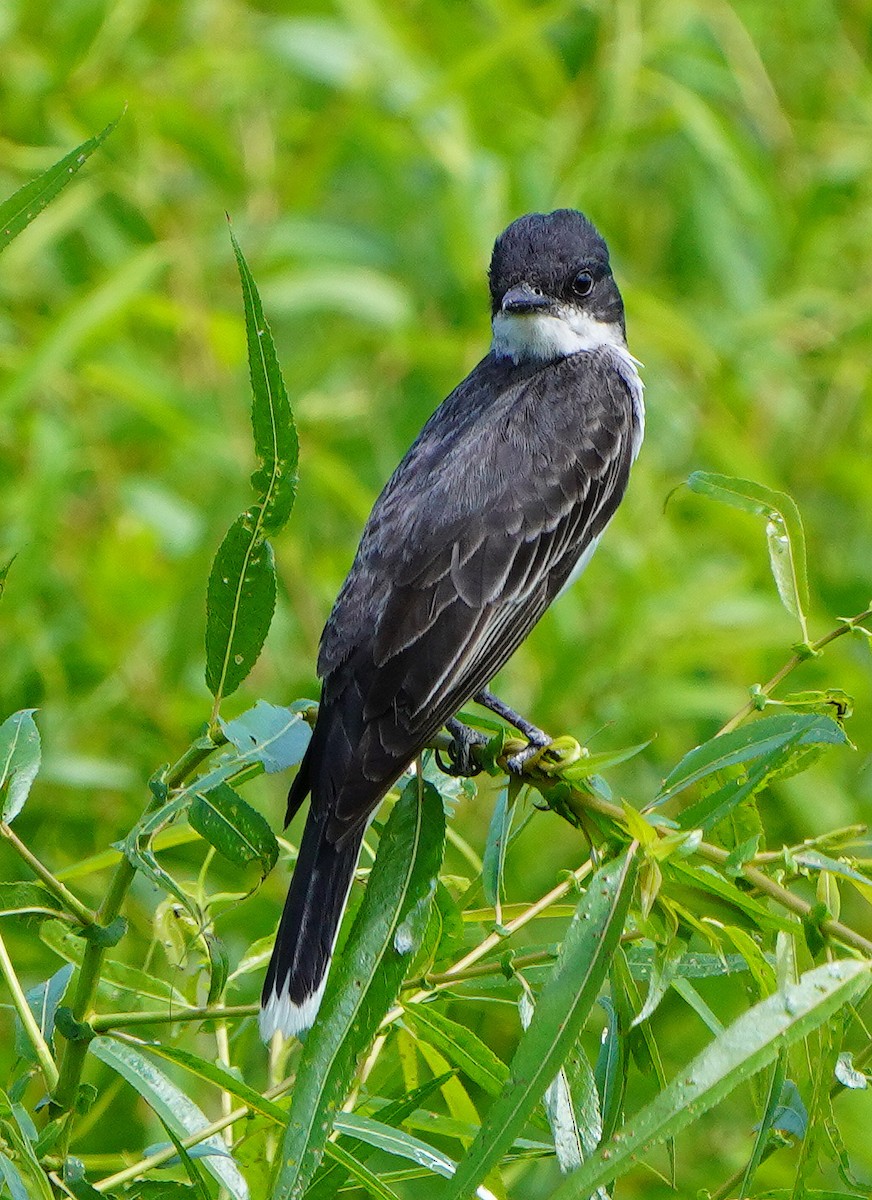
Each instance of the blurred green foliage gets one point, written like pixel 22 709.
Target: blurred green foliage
pixel 368 153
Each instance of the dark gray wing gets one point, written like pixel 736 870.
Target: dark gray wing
pixel 476 532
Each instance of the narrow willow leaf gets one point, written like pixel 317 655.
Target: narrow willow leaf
pixel 750 742
pixel 19 210
pixel 240 602
pixel 117 976
pixel 571 1105
pixel 462 1048
pixel 20 1155
pixel 275 435
pixel 364 982
pixel 43 1001
pixel 172 1106
pixel 495 847
pixel 4 574
pixel 269 734
pixel 234 828
pixel 362 1175
pixel 395 1141
pixel 12 1180
pixel 241 595
pixel 20 755
pixel 23 898
pixel 784 533
pixel 563 1006
pixel 764 1127
pixel 753 1041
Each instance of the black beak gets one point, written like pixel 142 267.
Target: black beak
pixel 524 299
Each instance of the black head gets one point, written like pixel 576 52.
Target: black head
pixel 545 261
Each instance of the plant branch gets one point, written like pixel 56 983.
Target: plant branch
pixel 92 959
pixel 848 625
pixel 128 1020
pixel 31 1028
pixel 73 905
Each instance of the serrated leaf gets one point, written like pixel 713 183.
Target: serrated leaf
pixel 117 976
pixel 784 533
pixel 753 1041
pixel 240 602
pixel 750 742
pixel 242 585
pixel 364 982
pixel 275 435
pixel 563 1006
pixel 20 755
pixel 172 1106
pixel 23 206
pixel 234 828
pixel 460 1046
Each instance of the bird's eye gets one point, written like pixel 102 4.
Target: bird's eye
pixel 582 284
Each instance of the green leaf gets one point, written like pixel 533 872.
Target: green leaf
pixel 4 574
pixel 213 1073
pixel 242 584
pixel 495 846
pixel 43 1001
pixel 20 1164
pixel 275 435
pixel 760 738
pixel 23 898
pixel 784 533
pixel 74 1178
pixel 395 1141
pixel 240 602
pixel 234 828
pixel 20 755
pixel 753 1041
pixel 361 1174
pixel 765 1125
pixel 459 1045
pixel 172 1106
pixel 563 1006
pixel 269 734
pixel 11 1179
pixel 19 210
pixel 116 976
pixel 365 980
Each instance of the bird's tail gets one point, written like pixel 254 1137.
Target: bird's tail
pixel 297 972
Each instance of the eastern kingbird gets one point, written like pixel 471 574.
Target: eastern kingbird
pixel 498 505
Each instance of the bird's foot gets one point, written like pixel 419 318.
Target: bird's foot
pixel 461 759
pixel 537 742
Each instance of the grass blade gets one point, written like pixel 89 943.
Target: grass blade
pixel 562 1008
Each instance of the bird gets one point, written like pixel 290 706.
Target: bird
pixel 495 509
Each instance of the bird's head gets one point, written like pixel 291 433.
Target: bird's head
pixel 552 289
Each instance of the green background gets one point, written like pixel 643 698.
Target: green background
pixel 368 154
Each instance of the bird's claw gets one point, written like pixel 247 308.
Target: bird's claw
pixel 461 759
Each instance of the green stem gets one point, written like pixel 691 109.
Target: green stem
pixel 127 1020
pixel 847 626
pixel 92 960
pixel 31 1028
pixel 83 914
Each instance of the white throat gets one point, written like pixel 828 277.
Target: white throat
pixel 546 336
